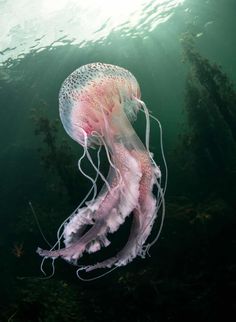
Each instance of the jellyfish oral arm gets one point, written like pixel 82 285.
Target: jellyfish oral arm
pixel 132 192
pixel 106 213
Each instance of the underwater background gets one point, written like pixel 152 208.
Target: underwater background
pixel 182 53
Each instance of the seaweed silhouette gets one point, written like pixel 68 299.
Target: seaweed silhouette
pixel 209 141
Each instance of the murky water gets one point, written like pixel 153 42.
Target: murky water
pixel 41 43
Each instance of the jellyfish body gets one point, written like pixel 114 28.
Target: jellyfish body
pixel 97 104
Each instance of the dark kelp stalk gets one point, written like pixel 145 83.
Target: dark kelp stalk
pixel 210 139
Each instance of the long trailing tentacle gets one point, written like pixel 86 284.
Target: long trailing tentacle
pixel 38 224
pixel 162 152
pixel 117 171
pixel 147 135
pixel 93 188
pixel 150 244
pixel 160 191
pixel 95 277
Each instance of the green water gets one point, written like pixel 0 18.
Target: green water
pixel 190 275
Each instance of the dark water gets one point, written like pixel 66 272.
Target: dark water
pixel 190 275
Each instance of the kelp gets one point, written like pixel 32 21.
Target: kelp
pixel 56 154
pixel 209 141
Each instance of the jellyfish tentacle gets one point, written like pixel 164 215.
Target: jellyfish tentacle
pixel 82 268
pixel 94 187
pixel 145 111
pixel 91 160
pixel 161 192
pixel 117 171
pixel 147 116
pixel 161 203
pixel 162 153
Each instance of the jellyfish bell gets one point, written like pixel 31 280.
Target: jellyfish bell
pixel 95 95
pixel 97 104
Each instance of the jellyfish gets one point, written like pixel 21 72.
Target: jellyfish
pixel 97 104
